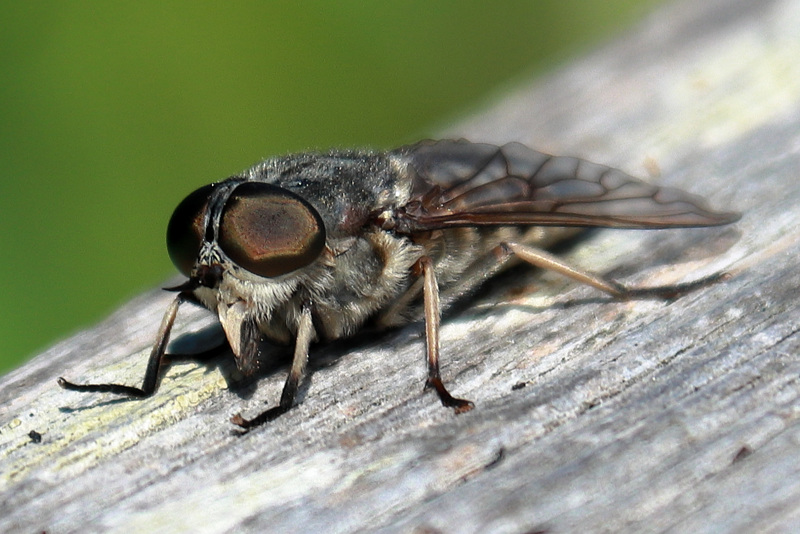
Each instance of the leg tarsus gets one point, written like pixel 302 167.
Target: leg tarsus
pixel 117 389
pixel 264 417
pixel 287 401
pixel 458 405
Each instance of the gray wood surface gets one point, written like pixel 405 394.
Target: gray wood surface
pixel 634 416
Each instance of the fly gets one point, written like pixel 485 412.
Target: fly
pixel 310 247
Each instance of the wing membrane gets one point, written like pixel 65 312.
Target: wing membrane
pixel 458 183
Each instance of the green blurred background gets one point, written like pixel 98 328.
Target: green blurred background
pixel 110 113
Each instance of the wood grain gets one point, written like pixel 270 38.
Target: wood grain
pixel 591 414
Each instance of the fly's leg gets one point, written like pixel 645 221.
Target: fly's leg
pixel 154 364
pixel 430 295
pixel 305 334
pixel 545 260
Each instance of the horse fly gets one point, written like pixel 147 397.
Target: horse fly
pixel 311 247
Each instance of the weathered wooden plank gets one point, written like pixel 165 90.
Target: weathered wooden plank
pixel 640 415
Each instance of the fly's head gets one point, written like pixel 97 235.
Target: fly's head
pixel 246 247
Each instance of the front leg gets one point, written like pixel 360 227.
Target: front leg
pixel 154 364
pixel 305 333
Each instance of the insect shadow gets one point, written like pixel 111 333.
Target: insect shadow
pixel 272 357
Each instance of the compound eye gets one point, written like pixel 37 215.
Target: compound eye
pixel 185 229
pixel 270 231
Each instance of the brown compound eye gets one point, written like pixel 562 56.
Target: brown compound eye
pixel 270 231
pixel 185 229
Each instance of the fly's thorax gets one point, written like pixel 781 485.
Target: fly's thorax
pixel 347 188
pixel 402 182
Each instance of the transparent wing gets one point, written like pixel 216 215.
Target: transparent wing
pixel 458 183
